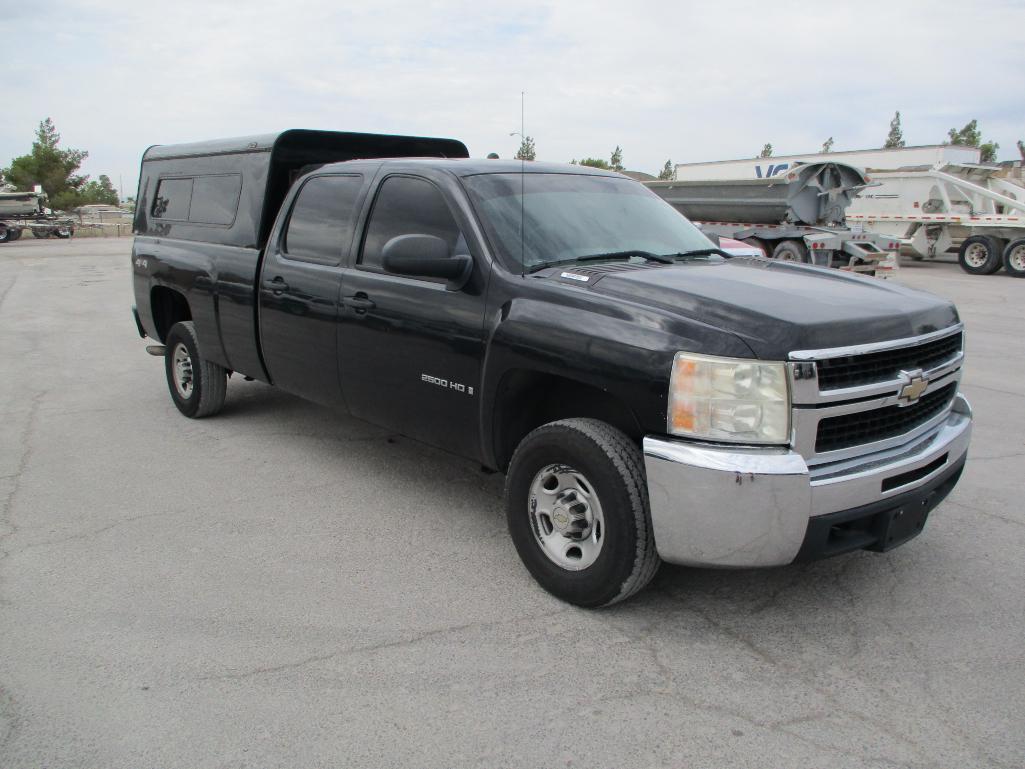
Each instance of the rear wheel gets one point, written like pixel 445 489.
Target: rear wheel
pixel 13 233
pixel 1014 258
pixel 577 507
pixel 979 255
pixel 41 232
pixel 197 386
pixel 64 232
pixel 5 233
pixel 791 250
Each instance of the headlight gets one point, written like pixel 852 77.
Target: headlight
pixel 729 399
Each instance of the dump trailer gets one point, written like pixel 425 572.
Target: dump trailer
pixel 930 209
pixel 799 216
pixel 20 211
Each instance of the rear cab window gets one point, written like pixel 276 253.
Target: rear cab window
pixel 321 222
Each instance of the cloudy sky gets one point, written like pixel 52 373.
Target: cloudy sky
pixel 684 80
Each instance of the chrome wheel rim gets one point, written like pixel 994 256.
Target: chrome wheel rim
pixel 181 368
pixel 1017 258
pixel 976 255
pixel 566 517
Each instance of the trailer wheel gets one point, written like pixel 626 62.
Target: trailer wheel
pixel 979 255
pixel 64 232
pixel 41 232
pixel 13 233
pixel 1014 258
pixel 5 234
pixel 758 243
pixel 791 250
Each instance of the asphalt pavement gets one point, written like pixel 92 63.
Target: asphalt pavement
pixel 285 586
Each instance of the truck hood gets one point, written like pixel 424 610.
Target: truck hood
pixel 777 307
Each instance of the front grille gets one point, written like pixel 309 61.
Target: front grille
pixel 846 430
pixel 869 368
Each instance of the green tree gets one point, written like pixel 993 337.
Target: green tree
pixel 50 166
pixel 592 163
pixel 827 145
pixel 527 151
pixel 766 151
pixel 895 138
pixel 616 159
pixel 971 136
pixel 101 191
pixel 668 173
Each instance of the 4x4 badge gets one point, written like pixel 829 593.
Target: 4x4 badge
pixel 913 384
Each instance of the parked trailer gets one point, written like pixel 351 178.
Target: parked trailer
pixel 20 211
pixel 929 209
pixel 799 216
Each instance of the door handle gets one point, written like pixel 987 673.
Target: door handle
pixel 278 285
pixel 360 303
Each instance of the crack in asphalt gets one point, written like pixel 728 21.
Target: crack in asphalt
pixel 375 647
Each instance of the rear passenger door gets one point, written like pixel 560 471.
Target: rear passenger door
pixel 299 286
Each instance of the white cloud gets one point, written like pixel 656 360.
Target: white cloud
pixel 691 81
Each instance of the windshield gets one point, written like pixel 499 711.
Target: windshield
pixel 566 217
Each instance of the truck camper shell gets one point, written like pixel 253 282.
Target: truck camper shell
pixel 238 184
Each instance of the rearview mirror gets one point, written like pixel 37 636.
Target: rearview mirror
pixel 426 256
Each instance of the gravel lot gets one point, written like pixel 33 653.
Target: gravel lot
pixel 284 586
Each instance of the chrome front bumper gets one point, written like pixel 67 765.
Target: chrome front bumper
pixel 736 507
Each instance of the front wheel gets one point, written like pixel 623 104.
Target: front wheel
pixel 577 509
pixel 197 386
pixel 1014 258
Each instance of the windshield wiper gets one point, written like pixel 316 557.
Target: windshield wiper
pixel 660 258
pixel 698 252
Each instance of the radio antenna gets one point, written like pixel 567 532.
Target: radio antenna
pixel 523 176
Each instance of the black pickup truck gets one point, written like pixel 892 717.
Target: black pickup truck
pixel 648 397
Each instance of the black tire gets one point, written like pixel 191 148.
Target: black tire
pixel 614 468
pixel 759 243
pixel 1014 258
pixel 980 255
pixel 791 250
pixel 202 395
pixel 5 234
pixel 63 232
pixel 41 233
pixel 13 234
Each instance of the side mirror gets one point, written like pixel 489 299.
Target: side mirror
pixel 426 256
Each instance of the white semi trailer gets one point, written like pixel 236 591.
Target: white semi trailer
pixel 929 209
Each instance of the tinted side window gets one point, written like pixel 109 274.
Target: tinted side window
pixel 408 206
pixel 173 198
pixel 320 226
pixel 215 199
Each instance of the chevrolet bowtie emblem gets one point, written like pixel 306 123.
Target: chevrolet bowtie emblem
pixel 913 385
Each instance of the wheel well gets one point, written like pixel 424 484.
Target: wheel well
pixel 168 307
pixel 528 399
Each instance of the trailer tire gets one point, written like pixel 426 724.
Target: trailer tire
pixel 13 233
pixel 63 232
pixel 979 255
pixel 759 243
pixel 791 250
pixel 41 232
pixel 5 233
pixel 1014 258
